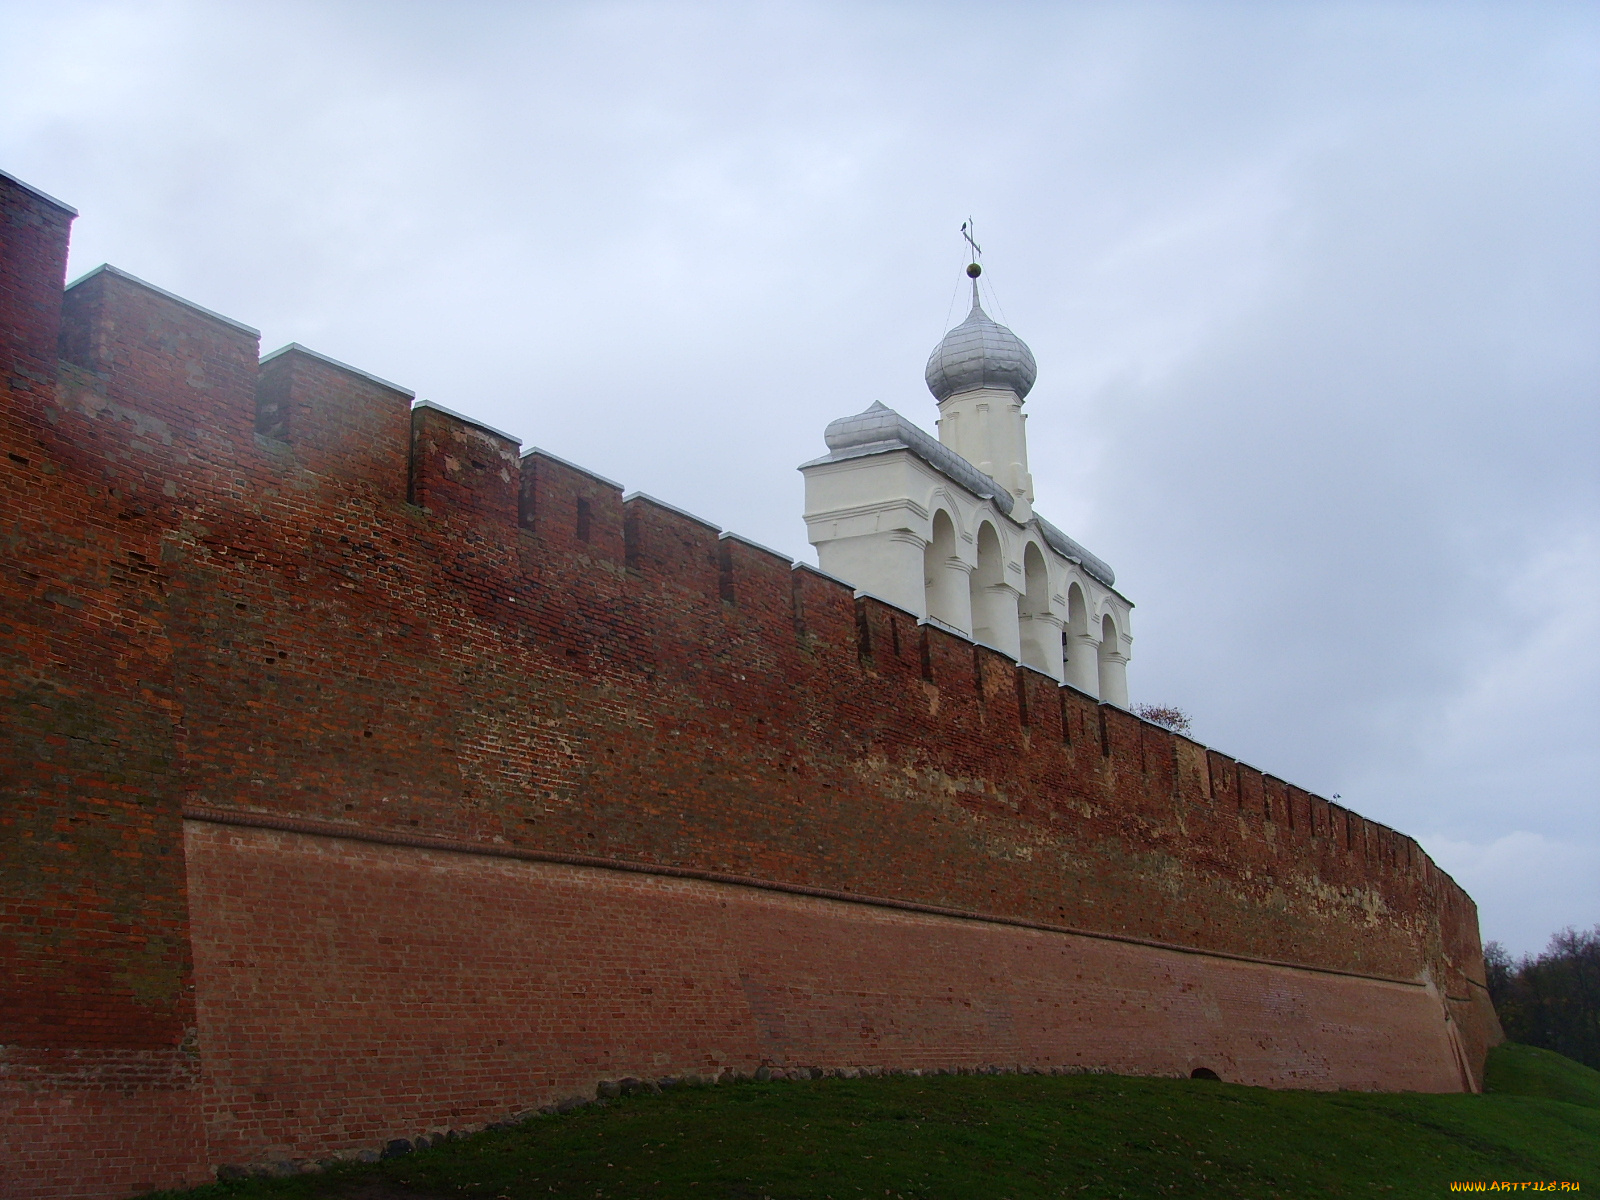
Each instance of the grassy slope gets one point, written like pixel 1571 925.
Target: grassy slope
pixel 992 1137
pixel 1529 1071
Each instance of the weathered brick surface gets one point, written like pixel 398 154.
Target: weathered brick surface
pixel 95 952
pixel 100 1122
pixel 342 1002
pixel 271 588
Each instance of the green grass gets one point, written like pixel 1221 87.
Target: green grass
pixel 1528 1071
pixel 1016 1136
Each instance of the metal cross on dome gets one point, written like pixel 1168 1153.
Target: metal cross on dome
pixel 968 229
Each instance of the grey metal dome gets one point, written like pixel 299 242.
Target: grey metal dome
pixel 980 353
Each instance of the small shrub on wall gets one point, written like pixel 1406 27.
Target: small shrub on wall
pixel 1166 715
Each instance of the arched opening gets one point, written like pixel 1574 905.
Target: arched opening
pixel 944 576
pixel 1113 664
pixel 1079 651
pixel 1041 630
pixel 1205 1073
pixel 1036 599
pixel 994 603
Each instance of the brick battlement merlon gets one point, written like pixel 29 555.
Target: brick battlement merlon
pixel 108 269
pixel 473 422
pixel 297 348
pixel 540 452
pixel 779 555
pixel 38 193
pixel 647 498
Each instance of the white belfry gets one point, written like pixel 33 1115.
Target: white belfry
pixel 945 529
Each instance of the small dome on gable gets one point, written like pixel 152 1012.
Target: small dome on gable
pixel 980 353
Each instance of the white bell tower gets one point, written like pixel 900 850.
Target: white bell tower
pixel 945 529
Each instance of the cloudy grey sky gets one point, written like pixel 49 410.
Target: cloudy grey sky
pixel 1314 291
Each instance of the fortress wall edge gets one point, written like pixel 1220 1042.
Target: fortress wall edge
pixel 276 588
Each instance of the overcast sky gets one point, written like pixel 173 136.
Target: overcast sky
pixel 1314 290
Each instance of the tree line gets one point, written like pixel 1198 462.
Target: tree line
pixel 1552 1001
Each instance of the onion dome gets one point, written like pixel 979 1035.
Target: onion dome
pixel 980 353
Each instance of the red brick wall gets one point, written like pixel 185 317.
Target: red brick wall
pixel 274 589
pixel 353 992
pixel 100 1122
